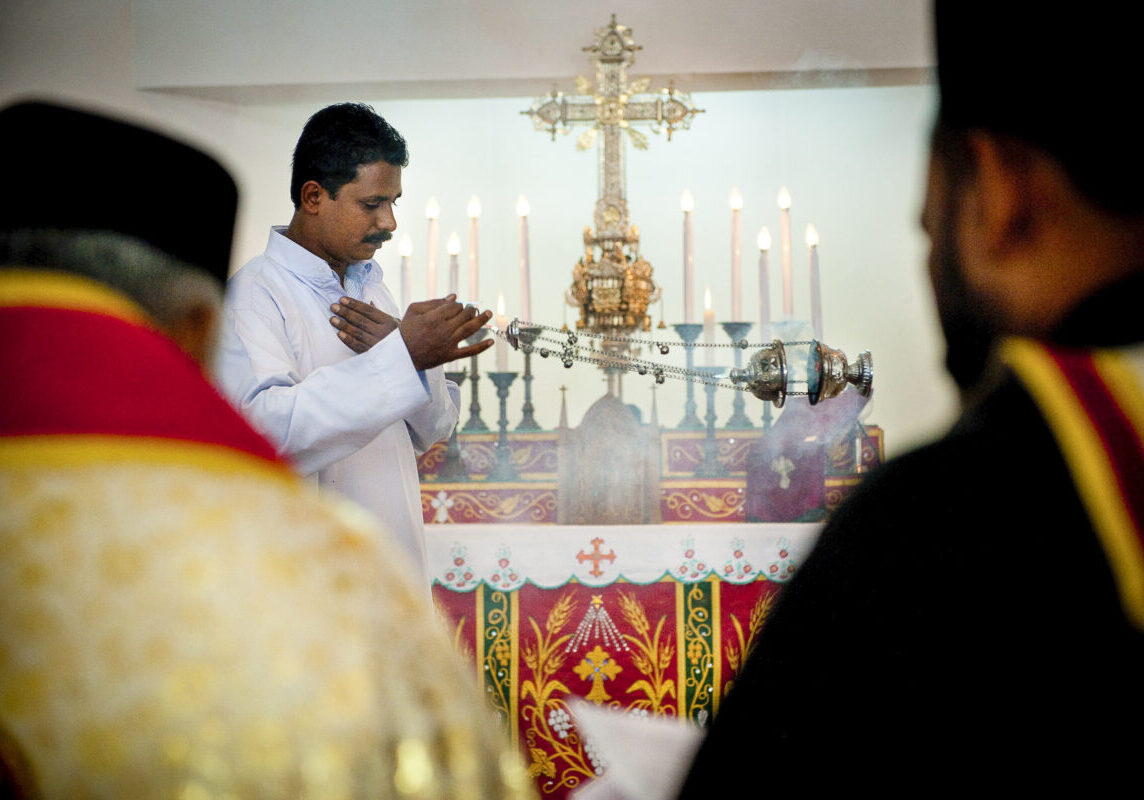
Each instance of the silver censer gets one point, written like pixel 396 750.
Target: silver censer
pixel 827 373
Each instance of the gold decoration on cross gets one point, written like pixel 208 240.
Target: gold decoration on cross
pixel 598 666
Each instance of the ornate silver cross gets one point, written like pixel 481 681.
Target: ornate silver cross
pixel 613 285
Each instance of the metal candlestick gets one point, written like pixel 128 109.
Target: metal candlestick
pixel 475 422
pixel 737 332
pixel 710 467
pixel 689 332
pixel 503 469
pixel 453 468
pixel 528 335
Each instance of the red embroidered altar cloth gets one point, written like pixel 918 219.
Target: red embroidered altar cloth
pixel 647 619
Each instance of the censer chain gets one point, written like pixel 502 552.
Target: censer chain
pixel 572 337
pixel 568 353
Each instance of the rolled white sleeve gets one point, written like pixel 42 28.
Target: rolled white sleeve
pixel 436 419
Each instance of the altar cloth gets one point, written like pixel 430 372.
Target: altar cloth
pixel 647 620
pixel 549 556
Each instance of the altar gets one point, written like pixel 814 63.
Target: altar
pixel 627 562
pixel 651 619
pixel 681 491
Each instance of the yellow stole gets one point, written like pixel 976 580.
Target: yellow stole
pixel 1093 401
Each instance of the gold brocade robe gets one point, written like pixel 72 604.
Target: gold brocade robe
pixel 180 616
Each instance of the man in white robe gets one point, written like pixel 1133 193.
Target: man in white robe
pixel 312 351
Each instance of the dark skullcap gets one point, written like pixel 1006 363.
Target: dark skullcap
pixel 69 169
pixel 1062 77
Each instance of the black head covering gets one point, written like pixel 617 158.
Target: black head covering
pixel 74 170
pixel 1062 77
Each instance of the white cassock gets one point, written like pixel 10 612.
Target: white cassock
pixel 354 422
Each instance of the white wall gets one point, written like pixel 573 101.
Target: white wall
pixel 853 159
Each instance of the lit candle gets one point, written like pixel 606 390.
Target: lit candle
pixel 522 210
pixel 764 283
pixel 454 248
pixel 784 228
pixel 687 203
pixel 474 215
pixel 405 248
pixel 815 293
pixel 432 211
pixel 708 328
pixel 502 344
pixel 736 255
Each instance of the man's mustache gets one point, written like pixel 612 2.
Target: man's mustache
pixel 378 238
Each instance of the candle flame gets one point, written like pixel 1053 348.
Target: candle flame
pixel 474 207
pixel 432 208
pixel 500 304
pixel 405 246
pixel 811 236
pixel 522 207
pixel 764 239
pixel 784 199
pixel 454 244
pixel 736 200
pixel 687 201
pixel 707 299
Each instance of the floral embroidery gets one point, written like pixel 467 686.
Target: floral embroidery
pixel 693 568
pixel 782 568
pixel 460 575
pixel 738 569
pixel 504 575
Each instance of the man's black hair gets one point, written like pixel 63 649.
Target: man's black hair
pixel 339 139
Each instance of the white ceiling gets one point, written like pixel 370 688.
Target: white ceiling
pixel 236 51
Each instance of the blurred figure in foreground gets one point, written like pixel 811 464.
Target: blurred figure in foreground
pixel 975 611
pixel 180 615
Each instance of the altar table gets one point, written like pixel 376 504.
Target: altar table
pixel 646 619
pixel 683 496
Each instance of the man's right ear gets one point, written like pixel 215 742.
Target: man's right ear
pixel 1004 192
pixel 310 197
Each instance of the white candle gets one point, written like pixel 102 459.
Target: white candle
pixel 708 329
pixel 764 242
pixel 736 256
pixel 522 210
pixel 815 292
pixel 454 248
pixel 784 229
pixel 502 344
pixel 405 248
pixel 432 211
pixel 687 203
pixel 474 215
